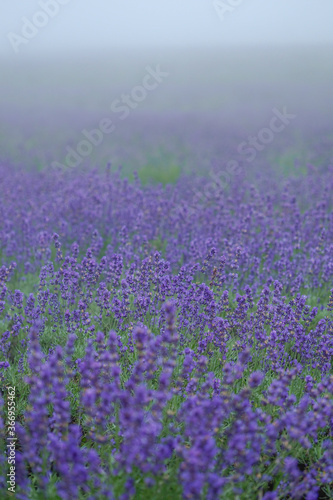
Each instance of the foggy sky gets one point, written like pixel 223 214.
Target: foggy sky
pixel 110 24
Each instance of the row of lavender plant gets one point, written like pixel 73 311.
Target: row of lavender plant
pixel 166 345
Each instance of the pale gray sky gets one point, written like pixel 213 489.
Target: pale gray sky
pixel 105 24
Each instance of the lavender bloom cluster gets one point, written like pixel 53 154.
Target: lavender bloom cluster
pixel 167 353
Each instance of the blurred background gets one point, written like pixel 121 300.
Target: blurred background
pixel 223 65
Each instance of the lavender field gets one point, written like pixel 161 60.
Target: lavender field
pixel 166 271
pixel 170 338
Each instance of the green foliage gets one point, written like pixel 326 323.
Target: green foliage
pixel 163 172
